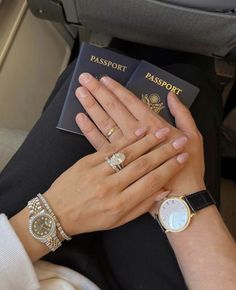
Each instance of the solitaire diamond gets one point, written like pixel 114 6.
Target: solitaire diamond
pixel 116 161
pixel 117 158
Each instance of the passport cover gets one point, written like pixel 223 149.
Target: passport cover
pixel 98 62
pixel 152 85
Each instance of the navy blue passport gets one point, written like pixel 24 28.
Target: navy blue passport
pixel 98 62
pixel 152 85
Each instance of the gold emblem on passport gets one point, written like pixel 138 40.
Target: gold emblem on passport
pixel 153 101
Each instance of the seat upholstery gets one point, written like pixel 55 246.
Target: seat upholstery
pixel 10 141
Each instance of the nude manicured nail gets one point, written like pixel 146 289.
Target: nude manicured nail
pixel 80 117
pixel 173 96
pixel 161 133
pixel 180 142
pixel 81 92
pixel 182 158
pixel 105 80
pixel 139 132
pixel 162 195
pixel 85 77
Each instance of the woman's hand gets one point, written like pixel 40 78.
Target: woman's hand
pixel 109 104
pixel 91 196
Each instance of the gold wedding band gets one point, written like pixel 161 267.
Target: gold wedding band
pixel 112 131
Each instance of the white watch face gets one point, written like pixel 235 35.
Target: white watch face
pixel 174 214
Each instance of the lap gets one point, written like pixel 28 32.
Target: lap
pixel 135 256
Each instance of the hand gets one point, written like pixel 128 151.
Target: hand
pixel 90 196
pixel 109 104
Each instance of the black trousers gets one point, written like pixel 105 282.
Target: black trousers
pixel 132 257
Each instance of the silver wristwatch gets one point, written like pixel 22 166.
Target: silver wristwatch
pixel 42 225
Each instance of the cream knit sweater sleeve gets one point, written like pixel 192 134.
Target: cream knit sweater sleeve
pixel 18 273
pixel 16 269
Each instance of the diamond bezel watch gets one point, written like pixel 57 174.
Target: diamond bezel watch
pixel 42 225
pixel 175 213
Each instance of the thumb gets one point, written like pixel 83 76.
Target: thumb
pixel 183 118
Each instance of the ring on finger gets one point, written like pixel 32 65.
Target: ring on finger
pixel 116 161
pixel 113 129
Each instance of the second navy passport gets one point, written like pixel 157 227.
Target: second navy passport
pixel 152 85
pixel 98 62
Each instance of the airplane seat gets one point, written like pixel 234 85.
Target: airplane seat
pixel 206 27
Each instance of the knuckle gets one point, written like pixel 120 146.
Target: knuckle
pixel 88 128
pixel 130 139
pixel 142 164
pixel 88 178
pixel 197 137
pixel 129 155
pixel 100 143
pixel 102 189
pixel 115 88
pixel 84 161
pixel 167 150
pixel 95 87
pixel 184 110
pixel 151 140
pixel 153 180
pixel 110 104
pixel 110 149
pixel 117 206
pixel 104 123
pixel 89 102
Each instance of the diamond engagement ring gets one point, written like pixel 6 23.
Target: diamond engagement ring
pixel 116 161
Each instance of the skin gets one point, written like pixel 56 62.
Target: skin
pixel 121 107
pixel 90 196
pixel 205 251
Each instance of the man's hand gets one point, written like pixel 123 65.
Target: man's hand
pixel 109 104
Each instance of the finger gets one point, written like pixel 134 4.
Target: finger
pixel 183 118
pixel 153 181
pixel 143 207
pixel 136 107
pixel 115 109
pixel 107 151
pixel 114 134
pixel 135 150
pixel 146 163
pixel 103 121
pixel 91 132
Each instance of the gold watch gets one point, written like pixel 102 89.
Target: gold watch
pixel 175 212
pixel 42 225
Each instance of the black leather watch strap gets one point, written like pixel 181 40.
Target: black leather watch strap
pixel 199 200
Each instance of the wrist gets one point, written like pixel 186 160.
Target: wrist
pixel 20 224
pixel 187 188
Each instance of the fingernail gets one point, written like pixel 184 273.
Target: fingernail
pixel 173 95
pixel 182 158
pixel 81 92
pixel 180 142
pixel 139 132
pixel 105 80
pixel 80 117
pixel 162 195
pixel 85 77
pixel 161 133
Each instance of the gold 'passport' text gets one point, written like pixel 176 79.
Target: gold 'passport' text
pixel 108 63
pixel 163 83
